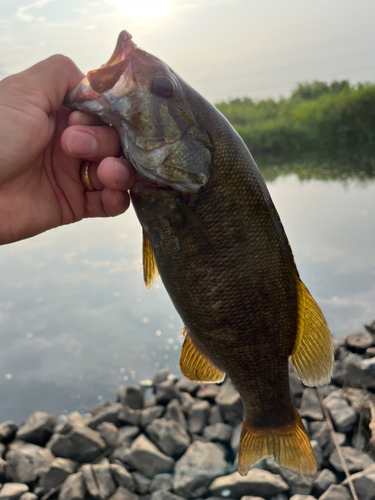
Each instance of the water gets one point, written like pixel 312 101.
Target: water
pixel 76 321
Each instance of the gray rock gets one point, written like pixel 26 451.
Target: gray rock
pixel 66 422
pixel 100 406
pixel 161 376
pixel 336 492
pixel 109 433
pixel 174 412
pixel 247 497
pixel 2 470
pixel 80 443
pixel 131 396
pixel 356 460
pixel 147 459
pixel 26 463
pixel 198 437
pixel 310 408
pixel 318 452
pixel 122 477
pixel 2 450
pixel 189 386
pixel 323 481
pixel 169 436
pixel 151 401
pixel 320 432
pixel 230 403
pixel 338 374
pixel 218 432
pixel 165 392
pixel 196 469
pixel 296 389
pixel 330 446
pixel 37 429
pixel 214 416
pixel 302 497
pixel 256 482
pixel 165 495
pixel 358 342
pixel 370 352
pixel 58 471
pixel 74 488
pixel 236 436
pixel 186 402
pixel 298 484
pixel 129 416
pixel 123 494
pixel 198 417
pixel 208 391
pixel 8 430
pixel 99 481
pixel 28 496
pixel 359 442
pixel 149 414
pixel 13 491
pixel 142 483
pixel 109 413
pixel 127 434
pixel 343 416
pixel 371 327
pixel 364 483
pixel 161 482
pixel 358 372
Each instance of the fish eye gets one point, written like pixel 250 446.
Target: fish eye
pixel 162 86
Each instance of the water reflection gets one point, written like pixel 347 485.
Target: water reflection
pixel 76 321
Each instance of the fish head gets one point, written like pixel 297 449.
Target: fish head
pixel 149 106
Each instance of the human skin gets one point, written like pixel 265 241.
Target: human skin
pixel 42 145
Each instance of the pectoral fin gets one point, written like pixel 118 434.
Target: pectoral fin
pixel 312 355
pixel 195 366
pixel 150 270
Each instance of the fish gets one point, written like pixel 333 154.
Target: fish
pixel 212 232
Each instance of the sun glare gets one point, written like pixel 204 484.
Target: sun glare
pixel 143 9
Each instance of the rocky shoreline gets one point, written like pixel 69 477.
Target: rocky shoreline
pixel 172 439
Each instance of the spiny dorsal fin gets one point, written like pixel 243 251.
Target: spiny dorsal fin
pixel 312 355
pixel 195 366
pixel 288 445
pixel 150 270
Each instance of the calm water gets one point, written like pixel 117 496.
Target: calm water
pixel 76 321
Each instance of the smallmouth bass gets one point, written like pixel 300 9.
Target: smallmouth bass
pixel 212 232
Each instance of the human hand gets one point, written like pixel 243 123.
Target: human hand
pixel 41 147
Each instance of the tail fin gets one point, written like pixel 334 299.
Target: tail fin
pixel 288 445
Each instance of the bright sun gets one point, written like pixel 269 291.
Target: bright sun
pixel 145 9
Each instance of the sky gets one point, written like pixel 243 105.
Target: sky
pixel 223 48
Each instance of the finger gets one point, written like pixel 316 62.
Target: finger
pixel 116 173
pixel 106 203
pixel 90 143
pixel 79 118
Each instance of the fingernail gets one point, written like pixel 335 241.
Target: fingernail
pixel 121 174
pixel 81 143
pixel 120 197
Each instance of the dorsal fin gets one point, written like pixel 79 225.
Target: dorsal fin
pixel 150 270
pixel 312 355
pixel 195 366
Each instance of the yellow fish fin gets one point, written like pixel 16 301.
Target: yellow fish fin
pixel 150 270
pixel 288 445
pixel 312 355
pixel 195 366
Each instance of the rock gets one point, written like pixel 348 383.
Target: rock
pixel 218 432
pixel 174 412
pixel 356 460
pixel 330 446
pixel 123 494
pixel 66 422
pixel 165 392
pixel 169 436
pixel 122 477
pixel 310 405
pixel 8 430
pixel 80 443
pixel 186 402
pixel 100 406
pixel 109 413
pixel 161 376
pixel 161 482
pixel 214 416
pixel 338 374
pixel 359 442
pixel 28 496
pixel 2 470
pixel 317 452
pixel 59 470
pixel 247 497
pixel 196 469
pixel 26 463
pixel 189 386
pixel 208 391
pixel 99 481
pixel 108 432
pixel 13 491
pixel 302 497
pixel 151 401
pixel 343 416
pixel 320 432
pixel 147 459
pixel 37 429
pixel 149 414
pixel 358 372
pixel 323 481
pixel 198 417
pixel 142 483
pixel 358 342
pixel 364 483
pixel 165 495
pixel 126 437
pixel 296 389
pixel 230 403
pixel 336 492
pixel 131 396
pixel 235 441
pixel 256 482
pixel 2 450
pixel 74 488
pixel 371 327
pixel 370 352
pixel 129 416
pixel 298 484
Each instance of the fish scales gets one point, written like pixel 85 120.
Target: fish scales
pixel 212 232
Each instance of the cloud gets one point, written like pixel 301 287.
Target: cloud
pixel 22 13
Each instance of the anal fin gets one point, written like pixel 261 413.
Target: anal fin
pixel 312 355
pixel 195 366
pixel 150 270
pixel 288 445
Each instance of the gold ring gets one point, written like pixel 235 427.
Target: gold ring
pixel 84 174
